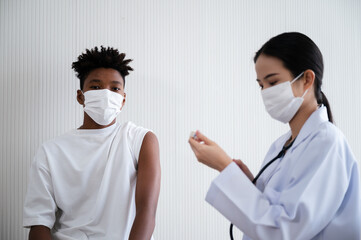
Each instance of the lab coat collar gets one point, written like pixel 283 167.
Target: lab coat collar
pixel 312 123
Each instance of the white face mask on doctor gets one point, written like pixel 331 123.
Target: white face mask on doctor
pixel 280 102
pixel 102 106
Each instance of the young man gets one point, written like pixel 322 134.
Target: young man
pixel 102 180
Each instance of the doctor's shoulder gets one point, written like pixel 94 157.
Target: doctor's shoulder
pixel 332 141
pixel 329 134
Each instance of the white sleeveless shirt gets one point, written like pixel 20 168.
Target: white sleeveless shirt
pixel 82 184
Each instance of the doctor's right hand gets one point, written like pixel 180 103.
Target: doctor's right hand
pixel 208 152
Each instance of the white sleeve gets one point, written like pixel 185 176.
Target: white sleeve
pixel 299 211
pixel 39 206
pixel 135 136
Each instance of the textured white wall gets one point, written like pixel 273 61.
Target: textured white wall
pixel 193 70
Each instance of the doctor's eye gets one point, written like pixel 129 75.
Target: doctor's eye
pixel 116 89
pixel 273 83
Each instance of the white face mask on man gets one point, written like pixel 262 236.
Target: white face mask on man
pixel 102 106
pixel 280 102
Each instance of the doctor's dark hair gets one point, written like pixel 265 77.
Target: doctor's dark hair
pixel 101 58
pixel 298 53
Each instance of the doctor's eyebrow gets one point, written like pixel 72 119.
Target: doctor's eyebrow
pixel 268 76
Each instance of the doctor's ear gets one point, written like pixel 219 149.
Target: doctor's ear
pixel 309 79
pixel 80 97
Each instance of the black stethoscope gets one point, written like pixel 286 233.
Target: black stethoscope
pixel 280 155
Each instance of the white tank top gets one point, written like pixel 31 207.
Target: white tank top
pixel 82 184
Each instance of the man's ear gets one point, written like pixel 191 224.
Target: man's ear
pixel 309 79
pixel 80 97
pixel 125 95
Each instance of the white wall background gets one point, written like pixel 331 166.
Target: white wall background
pixel 193 70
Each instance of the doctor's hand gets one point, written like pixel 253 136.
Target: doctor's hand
pixel 209 153
pixel 244 169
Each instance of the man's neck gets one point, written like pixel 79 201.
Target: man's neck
pixel 89 123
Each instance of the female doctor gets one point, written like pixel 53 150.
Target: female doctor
pixel 308 186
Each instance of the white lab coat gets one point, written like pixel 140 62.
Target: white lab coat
pixel 313 192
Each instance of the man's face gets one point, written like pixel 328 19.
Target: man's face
pixel 102 78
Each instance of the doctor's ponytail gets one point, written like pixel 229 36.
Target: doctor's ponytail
pixel 323 100
pixel 298 53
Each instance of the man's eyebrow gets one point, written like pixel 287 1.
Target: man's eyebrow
pixel 98 81
pixel 117 82
pixel 268 76
pixel 94 80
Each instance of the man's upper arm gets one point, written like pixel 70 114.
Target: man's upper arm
pixel 149 174
pixel 39 233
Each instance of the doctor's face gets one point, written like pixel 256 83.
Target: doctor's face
pixel 271 71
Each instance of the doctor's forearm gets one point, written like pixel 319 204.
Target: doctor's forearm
pixel 143 225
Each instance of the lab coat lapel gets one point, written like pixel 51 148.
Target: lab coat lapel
pixel 313 122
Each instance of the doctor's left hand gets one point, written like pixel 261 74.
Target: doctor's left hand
pixel 209 153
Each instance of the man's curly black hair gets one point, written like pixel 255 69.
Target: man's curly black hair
pixel 103 58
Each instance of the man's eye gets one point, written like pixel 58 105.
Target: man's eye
pixel 116 89
pixel 95 87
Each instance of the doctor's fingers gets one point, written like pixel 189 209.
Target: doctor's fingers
pixel 203 138
pixel 197 148
pixel 195 145
pixel 244 169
